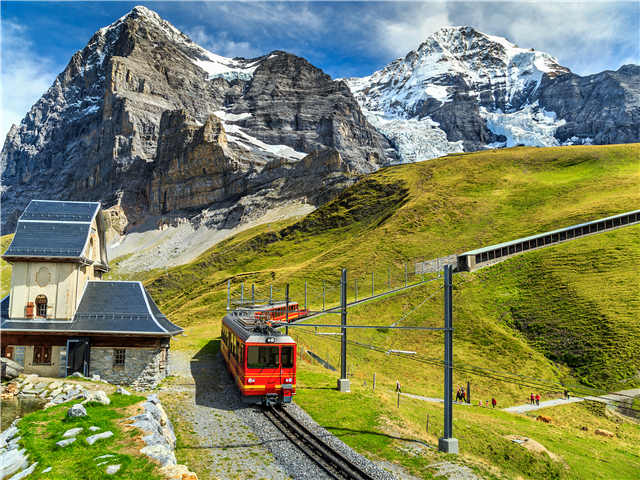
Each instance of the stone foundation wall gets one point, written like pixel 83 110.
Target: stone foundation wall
pixel 143 367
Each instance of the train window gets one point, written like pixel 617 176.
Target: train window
pixel 287 357
pixel 262 357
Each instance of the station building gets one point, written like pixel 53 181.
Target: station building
pixel 482 257
pixel 60 317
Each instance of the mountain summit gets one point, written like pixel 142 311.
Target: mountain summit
pixel 463 90
pixel 145 119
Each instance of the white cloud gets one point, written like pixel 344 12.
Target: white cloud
pixel 25 75
pixel 220 44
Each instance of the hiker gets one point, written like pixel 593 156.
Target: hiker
pixel 398 389
pixel 533 400
pixel 537 399
pixel 464 396
pixel 487 403
pixel 458 395
pixel 494 402
pixel 566 395
pixel 480 403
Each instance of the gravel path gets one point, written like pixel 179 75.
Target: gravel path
pixel 235 440
pixel 547 403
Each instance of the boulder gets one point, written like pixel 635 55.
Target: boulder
pixel 10 369
pixel 77 411
pixel 64 443
pixel 25 473
pixel 95 378
pixel 112 469
pixel 178 472
pixel 94 429
pixel 122 391
pixel 72 433
pixel 604 433
pixel 93 438
pixel 160 453
pixel 97 396
pixel 77 374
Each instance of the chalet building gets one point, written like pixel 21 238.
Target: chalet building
pixel 60 317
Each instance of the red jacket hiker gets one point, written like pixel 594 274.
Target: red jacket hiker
pixel 494 402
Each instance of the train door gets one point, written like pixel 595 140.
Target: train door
pixel 287 371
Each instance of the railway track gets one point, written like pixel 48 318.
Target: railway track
pixel 330 460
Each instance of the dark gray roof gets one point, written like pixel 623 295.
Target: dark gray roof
pixel 120 307
pixel 53 230
pixel 107 307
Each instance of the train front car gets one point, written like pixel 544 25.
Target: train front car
pixel 261 359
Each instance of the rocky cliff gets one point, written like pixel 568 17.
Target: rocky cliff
pixel 145 119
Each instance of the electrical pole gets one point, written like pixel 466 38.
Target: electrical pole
pixel 228 294
pixel 448 444
pixel 305 295
pixel 286 309
pixel 343 381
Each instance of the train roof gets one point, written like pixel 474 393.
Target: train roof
pixel 262 307
pixel 246 332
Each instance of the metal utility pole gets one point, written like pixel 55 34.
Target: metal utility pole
pixel 373 288
pixel 253 294
pixel 405 275
pixel 228 294
pixel 305 295
pixel 343 381
pixel 356 289
pixel 448 444
pixel 270 293
pixel 322 294
pixel 242 294
pixel 389 279
pixel 286 309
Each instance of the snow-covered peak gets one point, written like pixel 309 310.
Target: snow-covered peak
pixel 214 65
pixel 451 60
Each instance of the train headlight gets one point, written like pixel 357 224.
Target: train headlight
pixel 251 380
pixel 271 340
pixel 288 380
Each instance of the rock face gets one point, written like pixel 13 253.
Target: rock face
pixel 110 126
pixel 463 90
pixel 10 369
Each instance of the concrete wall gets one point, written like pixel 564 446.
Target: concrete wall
pixel 144 367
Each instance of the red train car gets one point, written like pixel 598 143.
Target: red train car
pixel 261 359
pixel 276 312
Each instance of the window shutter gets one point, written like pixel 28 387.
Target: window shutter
pixel 30 310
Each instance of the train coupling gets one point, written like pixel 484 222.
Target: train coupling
pixel 270 399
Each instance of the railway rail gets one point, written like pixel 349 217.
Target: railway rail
pixel 331 461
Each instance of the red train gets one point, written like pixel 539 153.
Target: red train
pixel 261 359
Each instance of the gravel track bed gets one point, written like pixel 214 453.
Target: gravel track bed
pixel 237 440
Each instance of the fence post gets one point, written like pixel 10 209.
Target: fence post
pixel 322 294
pixel 374 381
pixel 423 269
pixel 253 293
pixel 228 294
pixel 270 293
pixel 405 275
pixel 305 295
pixel 389 279
pixel 373 288
pixel 356 289
pixel 427 423
pixel 242 294
pixel 398 399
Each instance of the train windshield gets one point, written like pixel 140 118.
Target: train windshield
pixel 263 357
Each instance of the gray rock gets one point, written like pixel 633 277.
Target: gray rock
pixel 95 378
pixel 10 369
pixel 103 456
pixel 25 473
pixel 94 429
pixel 93 438
pixel 160 453
pixel 42 385
pixel 72 433
pixel 153 398
pixel 13 461
pixel 7 435
pixel 55 385
pixel 122 391
pixel 155 439
pixel 47 470
pixel 111 469
pixel 97 396
pixel 77 411
pixel 77 374
pixel 64 443
pixel 290 102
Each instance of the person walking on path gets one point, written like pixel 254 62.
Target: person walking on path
pixel 398 389
pixel 533 400
pixel 566 394
pixel 464 396
pixel 494 402
pixel 537 399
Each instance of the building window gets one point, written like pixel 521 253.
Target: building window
pixel 120 356
pixel 41 356
pixel 41 306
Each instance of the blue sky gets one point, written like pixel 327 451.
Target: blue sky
pixel 342 38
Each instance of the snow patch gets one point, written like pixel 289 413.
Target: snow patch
pixel 236 135
pixel 531 126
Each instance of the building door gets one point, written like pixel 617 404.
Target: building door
pixel 78 356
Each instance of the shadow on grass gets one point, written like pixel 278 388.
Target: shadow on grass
pixel 341 431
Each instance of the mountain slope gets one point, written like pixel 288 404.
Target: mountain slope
pixel 95 133
pixel 463 90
